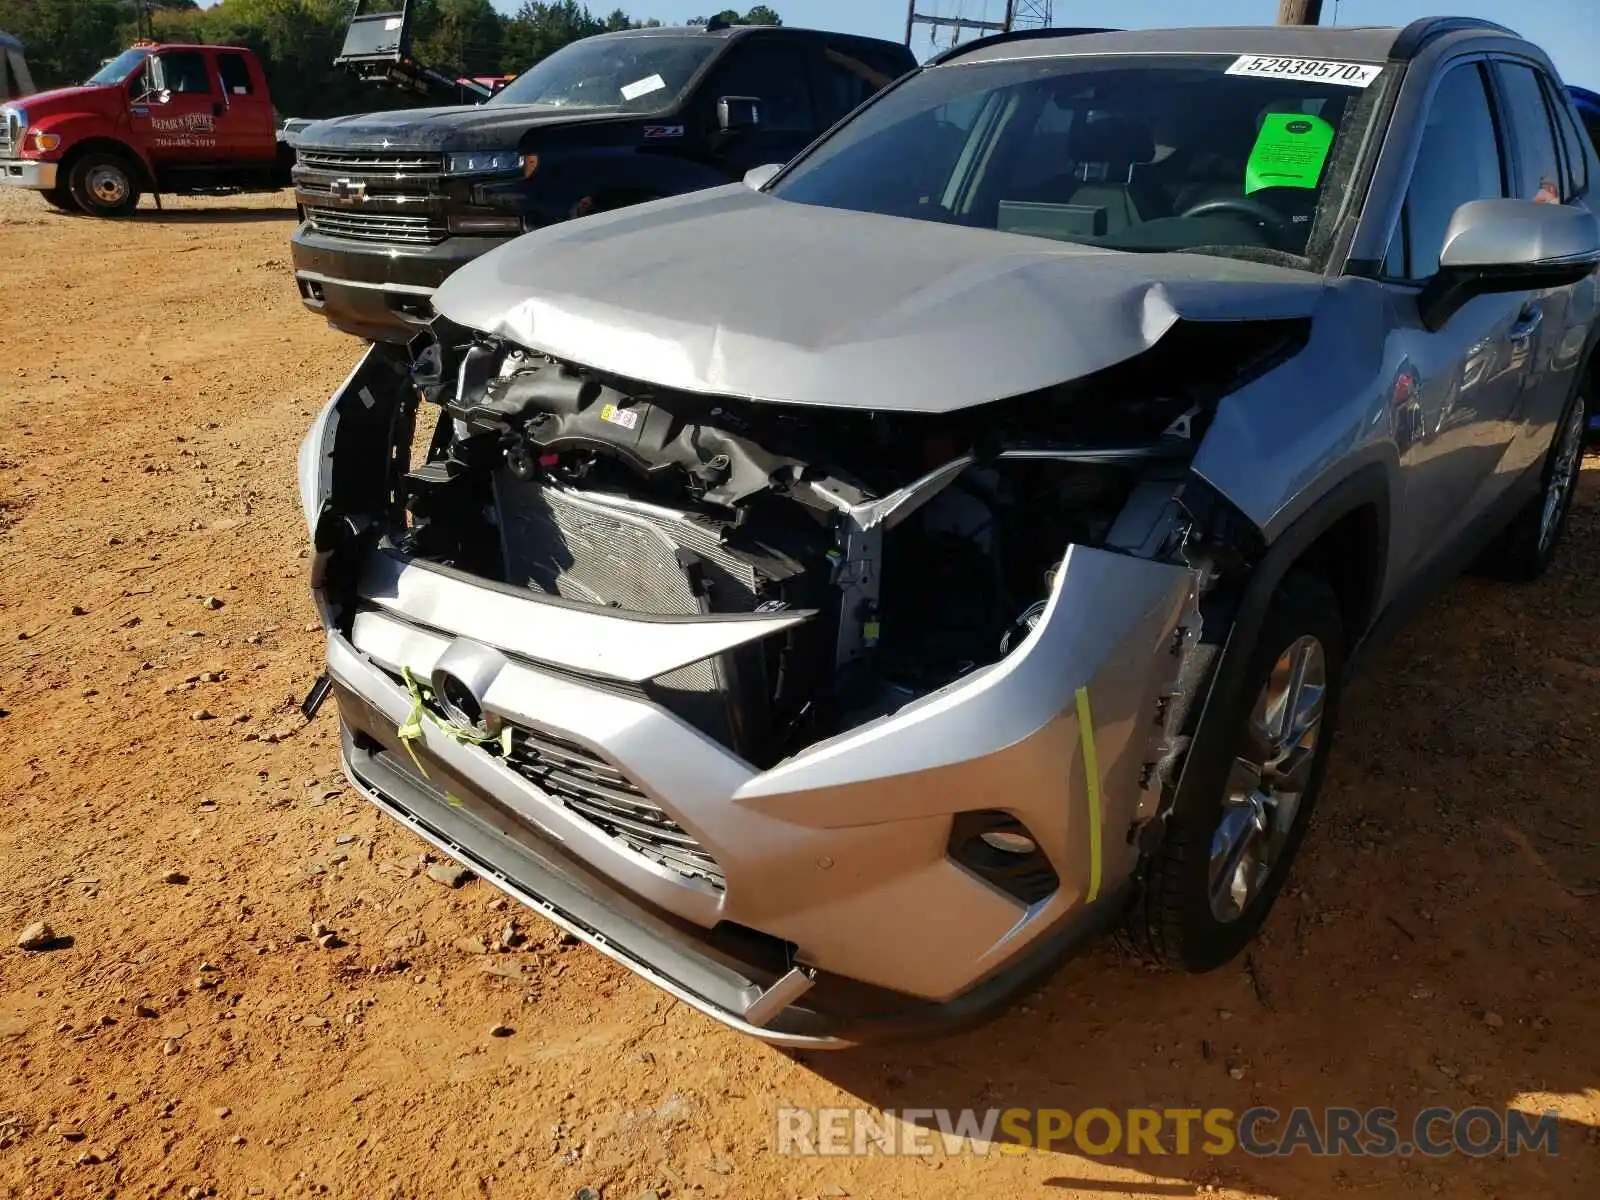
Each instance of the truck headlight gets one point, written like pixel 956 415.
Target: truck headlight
pixel 46 142
pixel 486 162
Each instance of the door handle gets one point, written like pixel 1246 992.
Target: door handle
pixel 1528 322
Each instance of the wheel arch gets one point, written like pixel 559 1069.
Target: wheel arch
pixel 1345 533
pixel 144 176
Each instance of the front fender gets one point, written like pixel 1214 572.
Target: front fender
pixel 83 131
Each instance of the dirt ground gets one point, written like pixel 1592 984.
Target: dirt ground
pixel 182 830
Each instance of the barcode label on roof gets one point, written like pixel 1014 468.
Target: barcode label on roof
pixel 1317 70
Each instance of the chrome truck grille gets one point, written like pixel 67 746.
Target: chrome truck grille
pixel 10 131
pixel 609 800
pixel 636 559
pixel 377 227
pixel 382 164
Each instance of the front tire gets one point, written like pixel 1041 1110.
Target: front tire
pixel 1524 551
pixel 1226 854
pixel 104 185
pixel 60 199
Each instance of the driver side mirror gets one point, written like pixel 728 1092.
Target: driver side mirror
pixel 1498 246
pixel 735 113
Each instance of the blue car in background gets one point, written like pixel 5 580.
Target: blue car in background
pixel 1588 104
pixel 1589 108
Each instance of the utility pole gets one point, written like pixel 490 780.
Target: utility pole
pixel 1299 12
pixel 1019 14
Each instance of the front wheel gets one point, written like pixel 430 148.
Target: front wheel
pixel 60 199
pixel 104 185
pixel 1226 853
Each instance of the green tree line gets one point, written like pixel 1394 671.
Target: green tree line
pixel 297 40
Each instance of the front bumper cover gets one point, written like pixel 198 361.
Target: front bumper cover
pixel 842 914
pixel 28 173
pixel 380 292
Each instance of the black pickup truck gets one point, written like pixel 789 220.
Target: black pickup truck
pixel 391 203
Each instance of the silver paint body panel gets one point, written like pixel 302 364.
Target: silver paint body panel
pixel 872 311
pixel 841 849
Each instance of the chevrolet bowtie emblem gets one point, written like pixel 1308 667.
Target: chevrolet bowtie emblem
pixel 348 189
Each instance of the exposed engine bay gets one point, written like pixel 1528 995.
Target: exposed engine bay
pixel 920 548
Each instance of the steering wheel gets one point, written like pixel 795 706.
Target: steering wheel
pixel 1277 226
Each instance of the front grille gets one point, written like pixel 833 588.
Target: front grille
pixel 9 129
pixel 377 227
pixel 325 190
pixel 608 799
pixel 601 794
pixel 385 164
pixel 637 561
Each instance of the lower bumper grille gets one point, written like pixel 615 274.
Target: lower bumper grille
pixel 377 227
pixel 607 798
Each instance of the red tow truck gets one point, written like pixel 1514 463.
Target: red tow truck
pixel 180 120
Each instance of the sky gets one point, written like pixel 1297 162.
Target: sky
pixel 1567 29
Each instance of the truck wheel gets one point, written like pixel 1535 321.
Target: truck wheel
pixel 60 199
pixel 104 185
pixel 1523 552
pixel 1223 861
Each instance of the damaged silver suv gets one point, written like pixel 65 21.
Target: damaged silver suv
pixel 836 596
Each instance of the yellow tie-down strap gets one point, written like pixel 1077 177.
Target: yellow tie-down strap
pixel 410 729
pixel 1091 771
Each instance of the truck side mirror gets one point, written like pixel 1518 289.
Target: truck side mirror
pixel 735 113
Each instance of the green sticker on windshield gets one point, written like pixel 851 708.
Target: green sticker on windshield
pixel 1290 151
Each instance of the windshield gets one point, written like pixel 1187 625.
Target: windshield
pixel 641 74
pixel 120 68
pixel 1238 156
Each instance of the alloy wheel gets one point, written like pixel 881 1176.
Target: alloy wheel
pixel 1268 779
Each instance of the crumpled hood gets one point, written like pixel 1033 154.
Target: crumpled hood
pixel 458 127
pixel 734 292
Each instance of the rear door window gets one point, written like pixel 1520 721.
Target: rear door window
pixel 235 73
pixel 1572 139
pixel 848 82
pixel 1538 174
